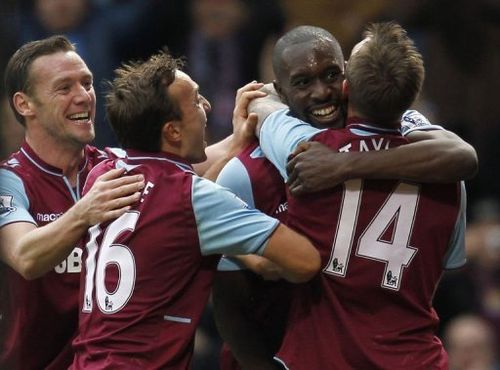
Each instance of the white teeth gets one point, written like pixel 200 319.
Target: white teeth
pixel 323 111
pixel 79 116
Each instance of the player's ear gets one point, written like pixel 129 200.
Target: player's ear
pixel 345 88
pixel 171 131
pixel 23 104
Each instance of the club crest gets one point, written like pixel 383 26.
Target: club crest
pixel 6 206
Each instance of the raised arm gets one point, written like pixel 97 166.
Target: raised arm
pixel 244 123
pixel 32 251
pixel 264 106
pixel 433 156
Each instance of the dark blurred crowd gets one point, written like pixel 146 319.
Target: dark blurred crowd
pixel 228 43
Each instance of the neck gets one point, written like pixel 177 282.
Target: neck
pixel 353 113
pixel 172 149
pixel 65 156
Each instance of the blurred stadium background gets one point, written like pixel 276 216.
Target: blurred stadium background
pixel 228 43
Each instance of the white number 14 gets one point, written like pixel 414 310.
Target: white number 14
pixel 398 211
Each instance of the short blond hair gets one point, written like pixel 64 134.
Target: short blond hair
pixel 386 74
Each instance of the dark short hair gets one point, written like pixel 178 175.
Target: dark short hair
pixel 386 75
pixel 17 72
pixel 138 103
pixel 299 35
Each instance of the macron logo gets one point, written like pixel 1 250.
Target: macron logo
pixel 283 207
pixel 48 217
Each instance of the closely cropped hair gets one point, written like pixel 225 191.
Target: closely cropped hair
pixel 386 74
pixel 299 35
pixel 17 72
pixel 138 104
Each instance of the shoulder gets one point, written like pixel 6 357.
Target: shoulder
pixel 15 163
pixel 413 120
pixel 10 182
pixel 233 173
pixel 19 171
pixel 97 170
pixel 96 155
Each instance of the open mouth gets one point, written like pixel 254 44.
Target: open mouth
pixel 326 115
pixel 80 118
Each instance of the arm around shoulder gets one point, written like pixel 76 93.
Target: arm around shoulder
pixel 436 156
pixel 451 157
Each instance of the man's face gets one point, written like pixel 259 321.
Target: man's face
pixel 63 98
pixel 310 83
pixel 194 108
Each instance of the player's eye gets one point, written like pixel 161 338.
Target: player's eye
pixel 300 82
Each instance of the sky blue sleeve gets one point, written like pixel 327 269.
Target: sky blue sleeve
pixel 14 203
pixel 279 136
pixel 226 225
pixel 234 176
pixel 456 257
pixel 226 263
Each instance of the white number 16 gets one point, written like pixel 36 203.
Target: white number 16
pixel 110 253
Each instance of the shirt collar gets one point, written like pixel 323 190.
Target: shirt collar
pixel 30 154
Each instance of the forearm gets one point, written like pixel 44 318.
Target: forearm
pixel 33 251
pixel 243 133
pixel 294 254
pixel 458 159
pixel 436 161
pixel 263 107
pixel 247 101
pixel 261 266
pixel 216 155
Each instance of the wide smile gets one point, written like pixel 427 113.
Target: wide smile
pixel 80 118
pixel 325 115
